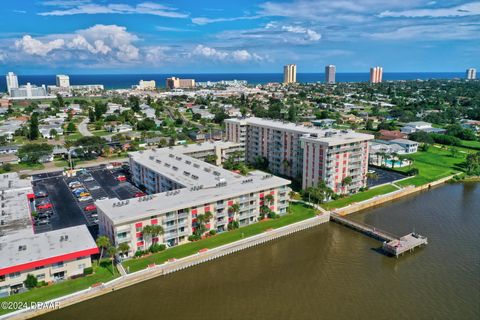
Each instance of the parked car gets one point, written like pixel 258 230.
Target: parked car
pixel 95 221
pixel 90 207
pixel 121 178
pixel 84 194
pixel 42 201
pixel 48 212
pixel 79 191
pixel 94 188
pixel 40 193
pixel 42 222
pixel 89 179
pixel 139 194
pixel 42 215
pixel 44 206
pixel 103 198
pixel 74 183
pixel 87 198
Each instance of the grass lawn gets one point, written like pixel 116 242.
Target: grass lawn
pixel 100 133
pixel 73 136
pixel 361 196
pixel 471 144
pixel 297 213
pixel 433 164
pixel 102 273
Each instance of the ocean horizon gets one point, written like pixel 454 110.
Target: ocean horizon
pixel 124 81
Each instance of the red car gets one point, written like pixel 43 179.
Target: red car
pixel 121 178
pixel 140 194
pixel 44 206
pixel 90 207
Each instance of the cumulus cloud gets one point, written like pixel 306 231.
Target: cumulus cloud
pixel 309 35
pixel 86 7
pixel 241 55
pixel 97 43
pixel 204 20
pixel 433 32
pixel 36 47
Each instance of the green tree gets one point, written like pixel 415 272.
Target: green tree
pixel 71 128
pixel 91 115
pixel 472 163
pixel 53 133
pixel 123 248
pixel 31 281
pixel 112 251
pixel 33 152
pixel 33 132
pixel 103 242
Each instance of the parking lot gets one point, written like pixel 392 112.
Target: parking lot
pixel 72 198
pixel 384 176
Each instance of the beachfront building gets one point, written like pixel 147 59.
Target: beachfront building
pixel 146 85
pixel 62 81
pixel 471 74
pixel 49 256
pixel 330 71
pixel 309 154
pixel 290 73
pixel 376 74
pixel 12 82
pixel 183 188
pixel 28 91
pixel 177 83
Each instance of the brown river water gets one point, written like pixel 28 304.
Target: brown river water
pixel 328 272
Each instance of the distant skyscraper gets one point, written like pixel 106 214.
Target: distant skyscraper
pixel 63 81
pixel 12 81
pixel 177 83
pixel 376 74
pixel 330 74
pixel 471 74
pixel 290 73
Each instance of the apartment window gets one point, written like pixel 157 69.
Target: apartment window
pixel 41 276
pixel 40 267
pixel 57 265
pixel 2 278
pixel 14 275
pixel 82 266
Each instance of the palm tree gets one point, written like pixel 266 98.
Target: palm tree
pixel 268 199
pixel 103 242
pixel 372 176
pixel 147 232
pixel 346 182
pixel 394 156
pixel 123 248
pixel 234 208
pixel 111 252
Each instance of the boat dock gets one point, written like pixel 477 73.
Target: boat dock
pixel 392 244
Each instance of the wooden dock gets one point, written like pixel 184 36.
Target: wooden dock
pixel 392 244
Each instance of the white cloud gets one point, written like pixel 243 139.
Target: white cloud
pixel 240 55
pixel 36 47
pixel 464 10
pixel 433 32
pixel 204 20
pixel 86 7
pixel 309 35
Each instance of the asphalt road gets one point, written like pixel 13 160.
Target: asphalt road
pixel 83 128
pixel 114 189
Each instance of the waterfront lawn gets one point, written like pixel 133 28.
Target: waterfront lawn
pixel 471 144
pixel 103 273
pixel 433 164
pixel 297 213
pixel 361 196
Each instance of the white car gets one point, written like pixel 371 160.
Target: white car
pixel 103 198
pixel 89 179
pixel 94 188
pixel 85 198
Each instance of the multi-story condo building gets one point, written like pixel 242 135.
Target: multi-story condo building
pixel 177 83
pixel 28 91
pixel 471 74
pixel 49 256
pixel 309 154
pixel 62 81
pixel 330 74
pixel 376 74
pixel 146 85
pixel 12 81
pixel 290 73
pixel 183 188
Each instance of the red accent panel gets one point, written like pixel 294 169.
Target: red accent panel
pixel 154 221
pixel 230 203
pixel 138 234
pixel 138 225
pixel 207 226
pixel 31 196
pixel 139 243
pixel 207 208
pixel 194 211
pixel 261 195
pixel 272 207
pixel 272 192
pixel 48 261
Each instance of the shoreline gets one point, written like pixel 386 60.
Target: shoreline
pixel 214 253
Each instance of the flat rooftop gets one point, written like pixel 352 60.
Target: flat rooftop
pixel 204 146
pixel 182 168
pixel 15 210
pixel 329 136
pixel 141 208
pixel 18 250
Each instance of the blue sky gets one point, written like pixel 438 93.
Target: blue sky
pixel 96 36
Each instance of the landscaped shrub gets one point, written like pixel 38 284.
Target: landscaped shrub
pixel 157 247
pixel 87 271
pixel 194 237
pixel 139 253
pixel 42 284
pixel 412 172
pixel 31 281
pixel 213 232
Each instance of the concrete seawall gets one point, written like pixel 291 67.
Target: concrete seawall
pixel 378 200
pixel 170 267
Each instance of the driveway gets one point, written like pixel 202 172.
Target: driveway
pixel 83 128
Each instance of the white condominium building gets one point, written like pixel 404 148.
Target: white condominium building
pixel 182 188
pixel 290 73
pixel 330 74
pixel 309 154
pixel 12 81
pixel 471 74
pixel 63 81
pixel 146 85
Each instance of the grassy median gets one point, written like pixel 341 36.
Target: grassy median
pixel 357 197
pixel 297 213
pixel 102 273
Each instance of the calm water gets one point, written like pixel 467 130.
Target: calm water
pixel 115 81
pixel 328 272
